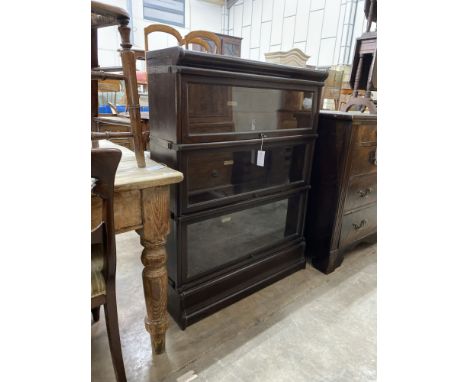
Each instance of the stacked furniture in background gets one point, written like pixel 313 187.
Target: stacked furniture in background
pixel 199 38
pixel 292 57
pixel 243 134
pixel 364 69
pixel 104 15
pixel 230 45
pixel 342 210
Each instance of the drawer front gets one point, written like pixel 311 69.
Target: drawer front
pixel 367 134
pixel 127 211
pixel 362 190
pixel 358 225
pixel 364 160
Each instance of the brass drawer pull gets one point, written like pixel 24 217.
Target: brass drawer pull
pixel 364 193
pixel 360 225
pixel 373 157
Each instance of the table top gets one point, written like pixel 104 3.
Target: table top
pixel 130 177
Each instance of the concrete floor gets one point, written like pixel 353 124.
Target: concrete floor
pixel 306 327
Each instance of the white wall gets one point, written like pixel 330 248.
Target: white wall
pixel 326 30
pixel 199 14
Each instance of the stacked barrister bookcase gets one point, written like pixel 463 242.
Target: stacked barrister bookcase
pixel 243 134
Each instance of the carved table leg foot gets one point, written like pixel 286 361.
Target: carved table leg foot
pixel 153 238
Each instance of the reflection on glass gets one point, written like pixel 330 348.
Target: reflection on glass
pixel 221 109
pixel 213 174
pixel 220 240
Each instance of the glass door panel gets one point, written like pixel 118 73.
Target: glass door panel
pixel 214 174
pixel 222 240
pixel 214 109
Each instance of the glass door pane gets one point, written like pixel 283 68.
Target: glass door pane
pixel 224 239
pixel 214 109
pixel 216 174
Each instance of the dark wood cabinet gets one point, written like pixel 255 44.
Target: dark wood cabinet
pixel 342 208
pixel 237 220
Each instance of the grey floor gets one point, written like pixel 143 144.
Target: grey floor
pixel 306 327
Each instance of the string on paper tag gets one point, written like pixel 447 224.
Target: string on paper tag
pixel 261 155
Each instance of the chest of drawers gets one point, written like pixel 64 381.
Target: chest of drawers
pixel 342 209
pixel 237 221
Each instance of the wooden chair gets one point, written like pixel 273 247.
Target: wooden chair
pixel 104 15
pixel 199 37
pixel 104 164
pixel 196 37
pixel 364 69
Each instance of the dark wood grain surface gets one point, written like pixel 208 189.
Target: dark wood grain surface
pixel 342 209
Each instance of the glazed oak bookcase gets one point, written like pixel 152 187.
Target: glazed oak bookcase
pixel 236 220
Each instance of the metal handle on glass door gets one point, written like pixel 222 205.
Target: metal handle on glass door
pixel 373 157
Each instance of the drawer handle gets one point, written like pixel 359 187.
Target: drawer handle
pixel 364 193
pixel 214 173
pixel 360 225
pixel 373 157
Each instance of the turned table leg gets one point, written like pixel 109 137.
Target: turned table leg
pixel 155 211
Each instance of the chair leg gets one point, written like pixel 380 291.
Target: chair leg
pixel 95 312
pixel 112 324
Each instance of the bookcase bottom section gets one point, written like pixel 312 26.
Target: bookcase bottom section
pixel 191 305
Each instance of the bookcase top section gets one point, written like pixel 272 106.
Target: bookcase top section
pixel 178 56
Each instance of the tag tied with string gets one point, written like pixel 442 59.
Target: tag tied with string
pixel 261 155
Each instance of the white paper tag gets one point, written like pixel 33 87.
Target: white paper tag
pixel 260 158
